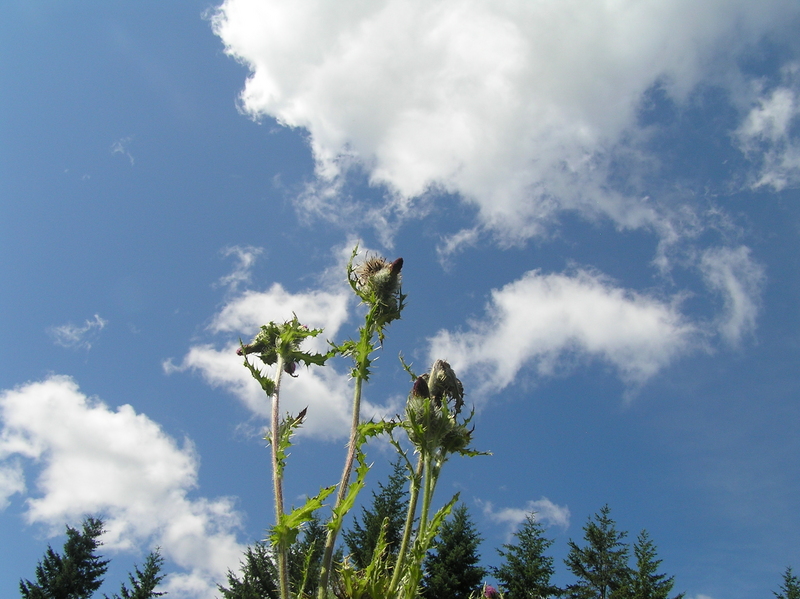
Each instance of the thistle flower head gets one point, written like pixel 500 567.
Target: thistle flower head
pixel 490 592
pixel 443 384
pixel 377 282
pixel 432 411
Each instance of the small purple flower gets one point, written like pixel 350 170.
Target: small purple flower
pixel 490 592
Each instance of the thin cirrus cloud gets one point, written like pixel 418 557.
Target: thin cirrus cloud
pixel 246 257
pixel 738 279
pixel 519 107
pixel 78 336
pixel 766 133
pixel 121 464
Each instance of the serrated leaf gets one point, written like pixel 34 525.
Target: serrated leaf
pixel 285 532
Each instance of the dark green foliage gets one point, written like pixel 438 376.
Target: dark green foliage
pixel 258 575
pixel 526 570
pixel 305 557
pixel 144 583
pixel 452 571
pixel 790 588
pixel 645 582
pixel 74 575
pixel 602 565
pixel 390 503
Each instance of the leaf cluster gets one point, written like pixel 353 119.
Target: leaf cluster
pixel 282 341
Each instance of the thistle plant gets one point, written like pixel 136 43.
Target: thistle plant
pixel 434 423
pixel 377 283
pixel 279 345
pixel 436 428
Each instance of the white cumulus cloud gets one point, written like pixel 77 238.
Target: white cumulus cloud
pixel 517 106
pixel 544 321
pixel 122 465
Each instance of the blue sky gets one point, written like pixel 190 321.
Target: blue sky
pixel 597 205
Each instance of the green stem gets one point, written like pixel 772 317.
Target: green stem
pixel 277 480
pixel 427 492
pixel 360 374
pixel 412 510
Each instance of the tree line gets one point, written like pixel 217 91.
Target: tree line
pixel 601 563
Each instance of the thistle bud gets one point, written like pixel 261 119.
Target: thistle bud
pixel 377 282
pixel 420 388
pixel 443 384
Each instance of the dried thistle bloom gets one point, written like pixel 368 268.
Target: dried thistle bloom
pixel 443 383
pixel 376 274
pixel 377 282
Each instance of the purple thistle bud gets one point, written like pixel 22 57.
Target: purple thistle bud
pixel 420 388
pixel 289 368
pixel 490 592
pixel 396 266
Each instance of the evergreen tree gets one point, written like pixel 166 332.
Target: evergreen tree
pixel 452 571
pixel 74 575
pixel 144 583
pixel 258 576
pixel 390 504
pixel 645 583
pixel 305 557
pixel 790 588
pixel 602 565
pixel 526 570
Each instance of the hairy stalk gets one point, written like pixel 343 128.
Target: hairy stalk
pixel 360 372
pixel 277 480
pixel 409 526
pixel 278 345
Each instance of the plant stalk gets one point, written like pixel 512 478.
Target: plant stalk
pixel 330 541
pixel 409 525
pixel 277 480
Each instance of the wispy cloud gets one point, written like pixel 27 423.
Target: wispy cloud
pixel 122 464
pixel 518 107
pixel 76 336
pixel 241 274
pixel 121 147
pixel 543 510
pixel 769 134
pixel 738 278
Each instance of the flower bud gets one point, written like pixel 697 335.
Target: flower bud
pixel 420 388
pixel 443 383
pixel 377 282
